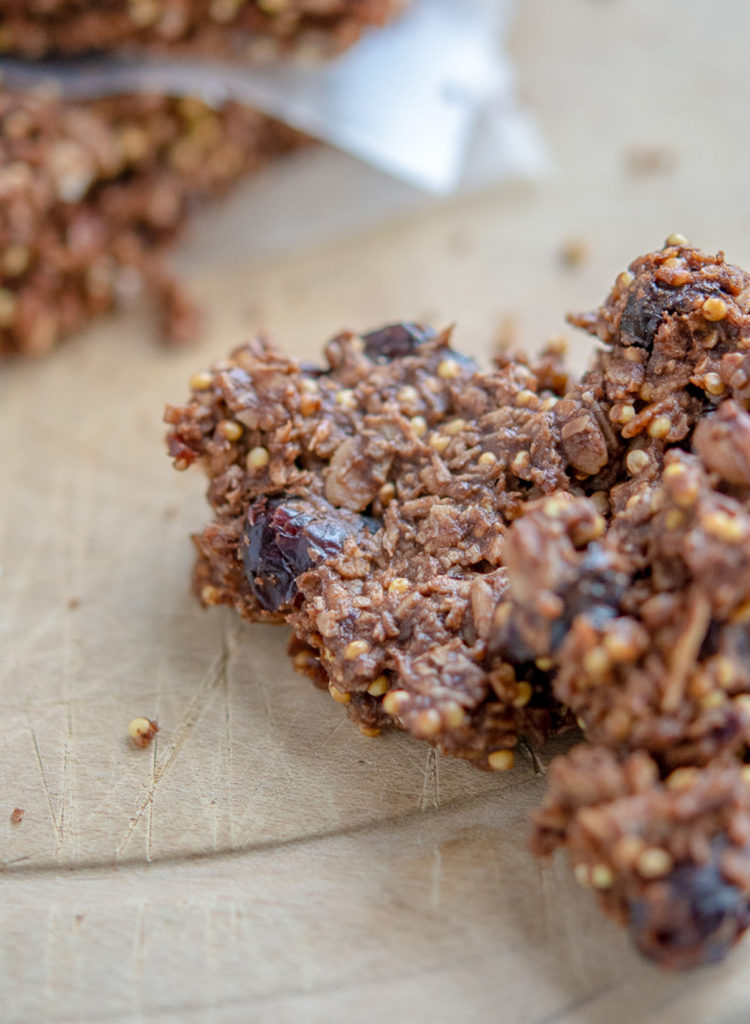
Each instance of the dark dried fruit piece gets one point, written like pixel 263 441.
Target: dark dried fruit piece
pixel 284 538
pixel 647 306
pixel 395 341
pixel 692 917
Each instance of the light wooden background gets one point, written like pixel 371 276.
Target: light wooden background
pixel 263 861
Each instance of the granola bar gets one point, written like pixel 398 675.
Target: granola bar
pixel 667 856
pixel 475 556
pixel 366 503
pixel 91 193
pixel 645 629
pixel 256 30
pixel 646 625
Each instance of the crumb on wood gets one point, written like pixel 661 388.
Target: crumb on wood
pixel 573 253
pixel 142 731
pixel 647 159
pixel 16 816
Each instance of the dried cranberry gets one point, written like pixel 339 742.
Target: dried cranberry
pixel 648 305
pixel 694 918
pixel 509 643
pixel 595 591
pixel 283 539
pixel 395 341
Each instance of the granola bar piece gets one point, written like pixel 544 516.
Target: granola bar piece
pixel 459 551
pixel 91 193
pixel 645 627
pixel 241 29
pixel 367 503
pixel 645 624
pixel 669 857
pixel 676 335
pixel 650 647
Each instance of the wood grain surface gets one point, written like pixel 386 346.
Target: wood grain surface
pixel 263 861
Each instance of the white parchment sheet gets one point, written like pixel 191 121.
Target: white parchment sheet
pixel 429 99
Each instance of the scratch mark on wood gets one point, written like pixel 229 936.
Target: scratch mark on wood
pixel 430 782
pixel 537 763
pixel 211 682
pixel 399 819
pixel 137 956
pixel 150 822
pixel 342 721
pixel 261 682
pixel 65 783
pixel 43 777
pixel 93 699
pixel 29 641
pixel 437 877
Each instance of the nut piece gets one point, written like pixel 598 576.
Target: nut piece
pixel 394 701
pixel 369 730
pixel 654 863
pixel 714 309
pixel 346 399
pixel 340 696
pixel 660 427
pixel 523 695
pixel 378 686
pixel 636 461
pixel 230 429
pixel 201 381
pixel 448 369
pixel 257 458
pixel 356 649
pixel 142 731
pixel 16 816
pixel 602 877
pixel 210 595
pixel 500 760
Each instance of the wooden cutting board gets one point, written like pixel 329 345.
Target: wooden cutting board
pixel 263 861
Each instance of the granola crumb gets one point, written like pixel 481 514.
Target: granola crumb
pixel 142 731
pixel 574 252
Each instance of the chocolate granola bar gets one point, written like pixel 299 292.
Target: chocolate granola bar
pixel 646 629
pixel 667 855
pixel 241 29
pixel 366 503
pixel 91 193
pixel 474 556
